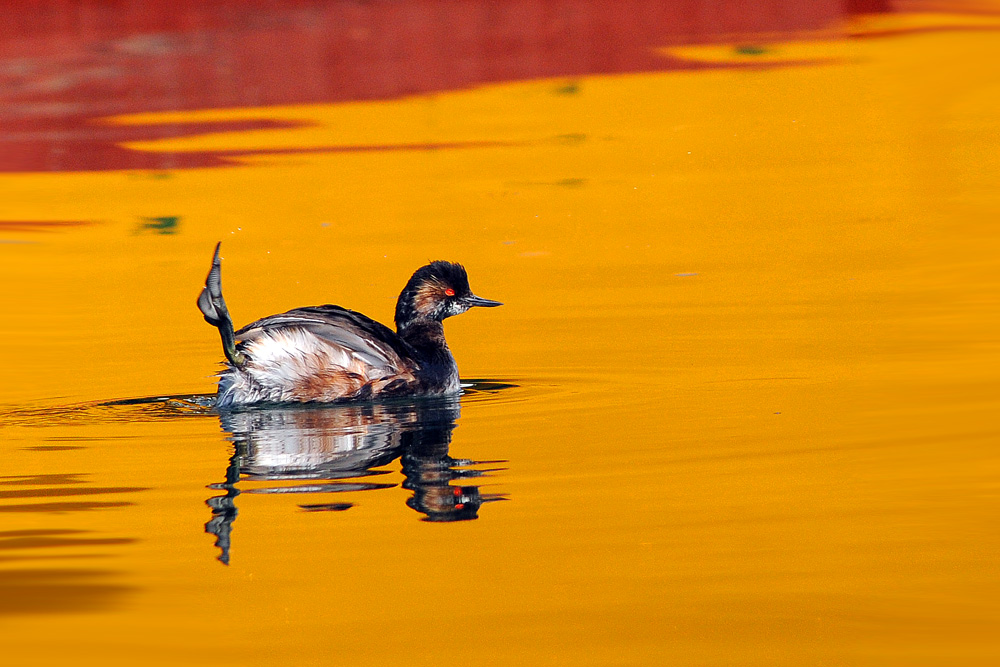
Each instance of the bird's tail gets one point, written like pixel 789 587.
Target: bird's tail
pixel 213 307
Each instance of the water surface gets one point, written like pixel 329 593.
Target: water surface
pixel 740 405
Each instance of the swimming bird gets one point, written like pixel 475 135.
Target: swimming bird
pixel 331 354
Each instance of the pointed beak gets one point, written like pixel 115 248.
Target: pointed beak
pixel 474 300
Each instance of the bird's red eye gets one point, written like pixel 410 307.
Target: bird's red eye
pixel 450 292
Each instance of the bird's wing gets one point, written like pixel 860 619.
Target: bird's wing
pixel 321 353
pixel 362 337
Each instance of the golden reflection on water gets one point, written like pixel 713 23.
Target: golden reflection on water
pixel 751 319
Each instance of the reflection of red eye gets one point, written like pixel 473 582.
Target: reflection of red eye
pixel 450 292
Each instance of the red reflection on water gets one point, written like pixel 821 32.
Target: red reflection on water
pixel 63 64
pixel 74 142
pixel 40 225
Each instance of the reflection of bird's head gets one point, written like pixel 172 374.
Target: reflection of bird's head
pixel 447 503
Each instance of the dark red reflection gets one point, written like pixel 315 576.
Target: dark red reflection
pixel 40 225
pixel 64 64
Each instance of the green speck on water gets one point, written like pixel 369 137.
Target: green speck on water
pixel 164 225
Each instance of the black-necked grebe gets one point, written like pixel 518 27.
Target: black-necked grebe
pixel 331 354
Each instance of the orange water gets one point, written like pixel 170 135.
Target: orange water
pixel 751 317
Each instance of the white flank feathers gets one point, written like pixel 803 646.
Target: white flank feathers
pixel 284 360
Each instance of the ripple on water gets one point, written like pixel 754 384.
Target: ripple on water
pixel 290 450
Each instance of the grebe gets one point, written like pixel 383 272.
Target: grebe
pixel 332 354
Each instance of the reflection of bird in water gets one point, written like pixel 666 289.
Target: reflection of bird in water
pixel 328 449
pixel 331 354
pixel 429 470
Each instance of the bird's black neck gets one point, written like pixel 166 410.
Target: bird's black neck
pixel 427 338
pixel 437 365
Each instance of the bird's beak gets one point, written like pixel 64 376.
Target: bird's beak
pixel 474 300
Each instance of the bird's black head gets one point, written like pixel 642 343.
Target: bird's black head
pixel 434 292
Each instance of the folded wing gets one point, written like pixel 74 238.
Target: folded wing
pixel 322 353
